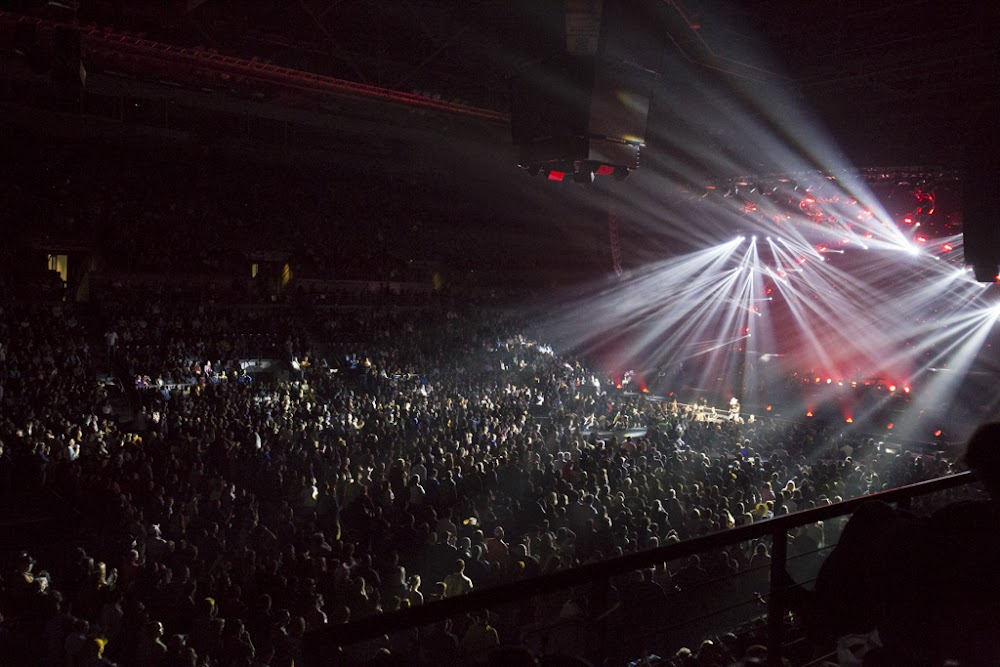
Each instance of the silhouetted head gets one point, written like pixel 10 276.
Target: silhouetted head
pixel 982 455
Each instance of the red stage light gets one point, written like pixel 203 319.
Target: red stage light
pixel 908 220
pixel 937 433
pixel 829 381
pixel 556 175
pixel 892 387
pixel 768 408
pixel 809 414
pixel 817 380
pixel 890 426
pixel 906 390
pixel 605 170
pixel 921 239
pixel 947 247
pixel 850 420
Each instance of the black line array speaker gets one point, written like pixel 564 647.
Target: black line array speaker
pixel 585 94
pixel 67 57
pixel 981 195
pixel 981 174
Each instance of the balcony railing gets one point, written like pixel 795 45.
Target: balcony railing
pixel 321 648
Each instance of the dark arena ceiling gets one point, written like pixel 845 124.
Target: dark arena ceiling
pixel 894 82
pixel 421 89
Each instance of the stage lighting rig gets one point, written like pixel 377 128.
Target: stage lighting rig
pixel 580 105
pixel 579 171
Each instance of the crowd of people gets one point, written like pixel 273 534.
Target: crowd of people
pixel 398 459
pixel 157 343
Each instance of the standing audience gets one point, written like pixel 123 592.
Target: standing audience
pixel 235 514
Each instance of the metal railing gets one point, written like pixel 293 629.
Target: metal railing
pixel 320 647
